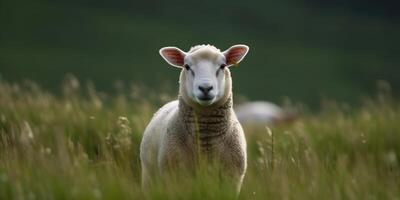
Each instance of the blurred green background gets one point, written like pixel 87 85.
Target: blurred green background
pixel 306 50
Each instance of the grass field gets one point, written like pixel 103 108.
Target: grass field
pixel 84 144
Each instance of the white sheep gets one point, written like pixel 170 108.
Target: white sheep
pixel 202 120
pixel 262 113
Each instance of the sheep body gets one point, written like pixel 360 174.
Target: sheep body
pixel 263 113
pixel 170 140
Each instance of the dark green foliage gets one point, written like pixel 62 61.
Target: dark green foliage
pixel 306 50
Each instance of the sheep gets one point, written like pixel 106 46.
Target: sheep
pixel 262 113
pixel 202 121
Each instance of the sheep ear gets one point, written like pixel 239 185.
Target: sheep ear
pixel 235 54
pixel 173 55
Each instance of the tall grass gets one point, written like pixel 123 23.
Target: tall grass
pixel 85 145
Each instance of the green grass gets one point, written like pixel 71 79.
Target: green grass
pixel 85 145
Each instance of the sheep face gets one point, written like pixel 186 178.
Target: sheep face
pixel 204 70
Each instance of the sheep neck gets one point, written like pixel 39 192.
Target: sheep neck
pixel 208 126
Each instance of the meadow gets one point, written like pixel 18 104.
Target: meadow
pixel 84 144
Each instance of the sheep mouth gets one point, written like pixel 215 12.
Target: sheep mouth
pixel 205 100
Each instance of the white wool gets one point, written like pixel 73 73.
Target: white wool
pixel 197 47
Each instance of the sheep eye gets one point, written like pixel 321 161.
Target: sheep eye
pixel 187 67
pixel 221 67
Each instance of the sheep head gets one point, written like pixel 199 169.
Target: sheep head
pixel 205 77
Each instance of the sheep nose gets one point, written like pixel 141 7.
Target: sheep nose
pixel 205 89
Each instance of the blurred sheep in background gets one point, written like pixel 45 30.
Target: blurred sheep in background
pixel 263 113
